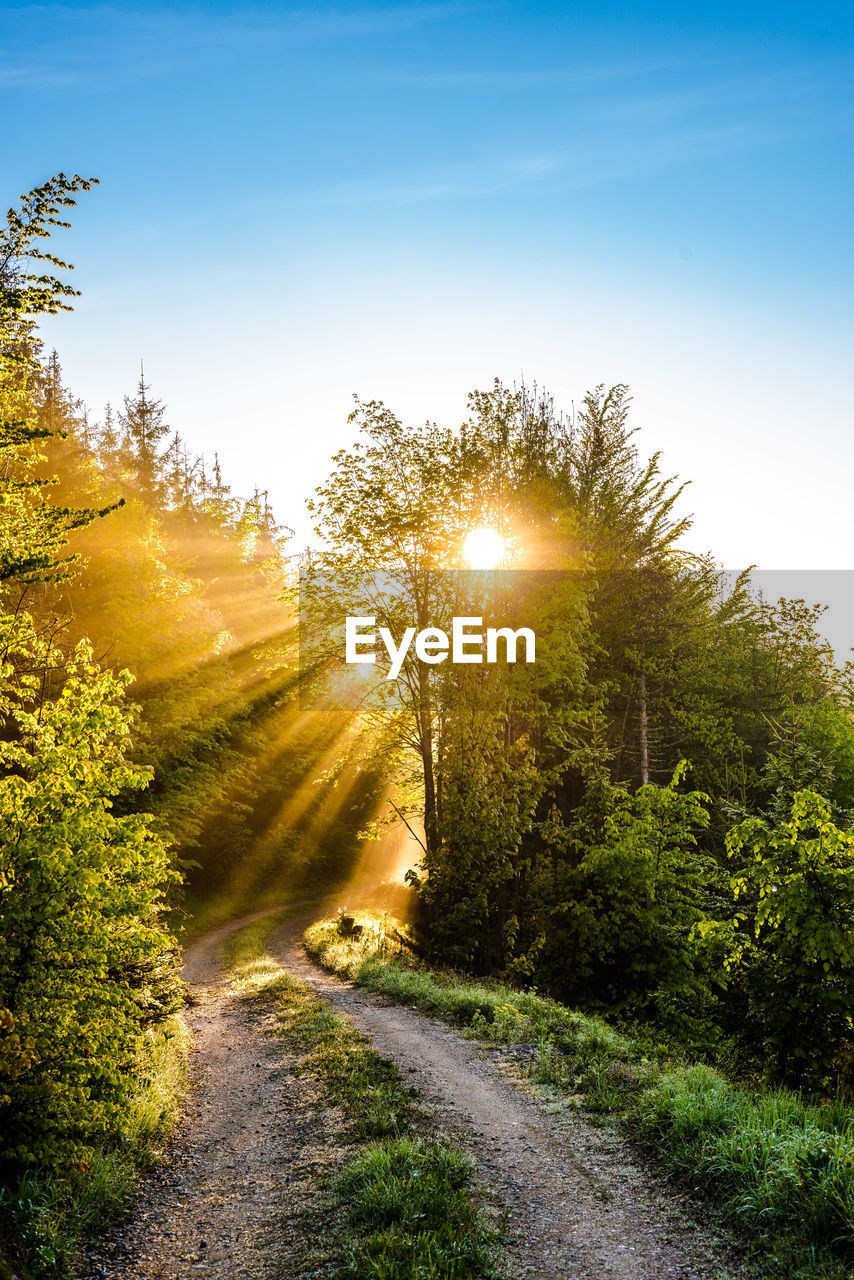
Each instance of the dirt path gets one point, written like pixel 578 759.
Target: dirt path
pixel 229 1201
pixel 577 1202
pixel 233 1198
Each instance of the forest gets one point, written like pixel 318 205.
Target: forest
pixel 652 824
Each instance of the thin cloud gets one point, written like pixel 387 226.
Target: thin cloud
pixel 510 78
pixel 617 139
pixel 61 47
pixel 35 75
pixel 460 182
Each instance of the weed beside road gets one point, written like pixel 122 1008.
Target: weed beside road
pixel 777 1167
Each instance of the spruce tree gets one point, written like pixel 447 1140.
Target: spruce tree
pixel 108 438
pixel 144 425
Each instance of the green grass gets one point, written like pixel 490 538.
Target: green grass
pixel 45 1219
pixel 406 1204
pixel 778 1168
pixel 409 1201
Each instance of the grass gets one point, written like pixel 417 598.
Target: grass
pixel 778 1168
pixel 406 1204
pixel 46 1219
pixel 409 1199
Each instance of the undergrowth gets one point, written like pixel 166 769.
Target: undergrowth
pixel 407 1205
pixel 779 1168
pixel 45 1219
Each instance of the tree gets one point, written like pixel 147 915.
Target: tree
pixel 144 426
pixel 80 894
pixel 623 914
pixel 33 532
pixel 80 886
pixel 394 516
pixel 791 938
pixel 506 736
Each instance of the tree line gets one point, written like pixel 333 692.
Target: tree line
pixel 655 820
pixel 148 727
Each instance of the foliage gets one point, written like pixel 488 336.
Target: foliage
pixel 394 516
pixel 791 937
pixel 33 532
pixel 87 970
pixel 557 845
pixel 185 592
pixel 630 903
pixel 778 1169
pixel 45 1217
pixel 80 891
pixel 488 746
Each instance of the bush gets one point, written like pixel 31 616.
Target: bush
pixel 80 893
pixel 45 1215
pixel 791 940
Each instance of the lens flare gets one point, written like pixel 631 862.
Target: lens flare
pixel 484 548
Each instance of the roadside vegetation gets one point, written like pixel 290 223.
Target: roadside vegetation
pixel 653 821
pixel 406 1203
pixel 91 1049
pixel 48 1215
pixel 778 1168
pixel 143 707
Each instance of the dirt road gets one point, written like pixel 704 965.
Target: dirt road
pixel 231 1200
pixel 579 1206
pixel 228 1202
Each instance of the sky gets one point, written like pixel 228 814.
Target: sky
pixel 407 200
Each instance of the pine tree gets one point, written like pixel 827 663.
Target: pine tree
pixel 144 425
pixel 108 438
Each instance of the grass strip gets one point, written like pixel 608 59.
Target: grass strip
pixel 46 1219
pixel 406 1202
pixel 778 1168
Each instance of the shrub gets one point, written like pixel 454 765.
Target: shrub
pixel 791 939
pixel 80 892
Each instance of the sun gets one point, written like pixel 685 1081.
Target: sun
pixel 484 548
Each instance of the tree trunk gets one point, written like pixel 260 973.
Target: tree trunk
pixel 425 714
pixel 644 731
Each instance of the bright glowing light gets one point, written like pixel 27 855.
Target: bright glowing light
pixel 484 548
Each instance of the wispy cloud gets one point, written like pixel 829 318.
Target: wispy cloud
pixel 634 134
pixel 35 75
pixel 509 79
pixel 96 47
pixel 460 182
pixel 315 23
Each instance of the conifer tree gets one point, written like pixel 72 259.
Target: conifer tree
pixel 81 888
pixel 108 437
pixel 144 426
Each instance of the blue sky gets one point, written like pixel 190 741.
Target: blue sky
pixel 406 200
